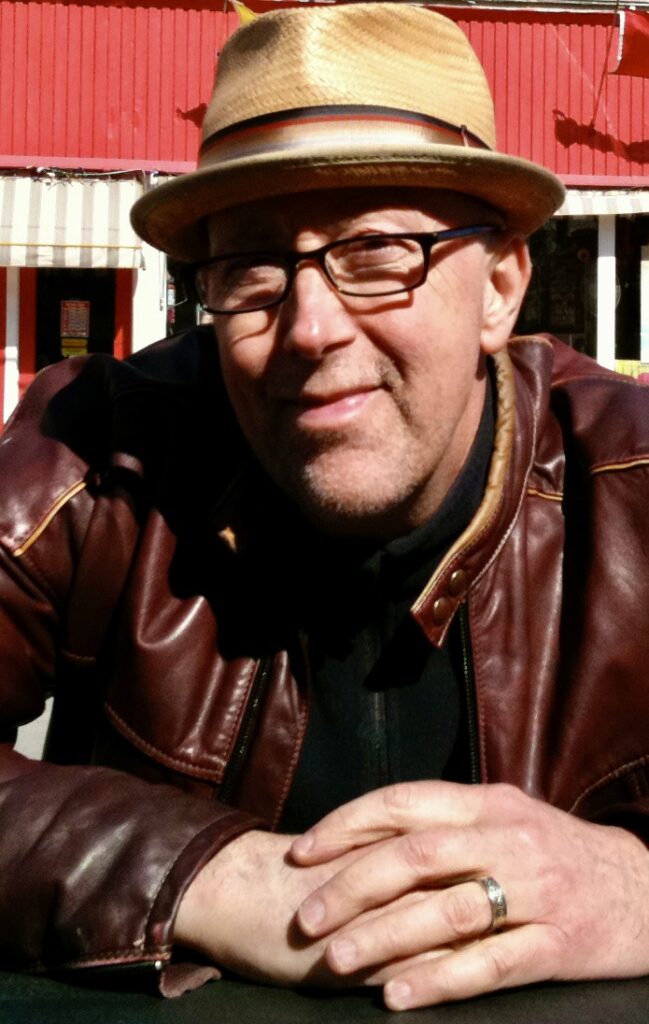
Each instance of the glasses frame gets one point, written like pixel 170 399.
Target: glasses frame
pixel 292 259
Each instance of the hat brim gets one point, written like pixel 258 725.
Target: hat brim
pixel 172 215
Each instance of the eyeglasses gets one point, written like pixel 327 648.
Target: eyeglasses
pixel 365 266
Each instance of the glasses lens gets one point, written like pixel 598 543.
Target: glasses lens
pixel 377 265
pixel 236 284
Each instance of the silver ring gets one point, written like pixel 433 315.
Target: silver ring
pixel 497 901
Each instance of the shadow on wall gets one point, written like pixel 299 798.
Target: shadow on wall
pixel 569 133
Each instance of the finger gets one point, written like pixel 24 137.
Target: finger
pixel 410 928
pixel 381 975
pixel 389 811
pixel 416 860
pixel 517 957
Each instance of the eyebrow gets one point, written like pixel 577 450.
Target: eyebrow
pixel 238 243
pixel 270 240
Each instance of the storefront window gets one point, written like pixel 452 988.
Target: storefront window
pixel 562 297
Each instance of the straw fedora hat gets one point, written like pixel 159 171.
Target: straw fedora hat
pixel 359 94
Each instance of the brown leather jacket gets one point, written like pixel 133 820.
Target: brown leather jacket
pixel 140 579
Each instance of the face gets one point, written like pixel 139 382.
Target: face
pixel 363 410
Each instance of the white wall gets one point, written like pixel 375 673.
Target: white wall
pixel 31 737
pixel 150 299
pixel 644 304
pixel 606 291
pixel 12 334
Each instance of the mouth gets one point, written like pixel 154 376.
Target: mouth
pixel 329 410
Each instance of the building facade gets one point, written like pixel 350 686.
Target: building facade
pixel 104 98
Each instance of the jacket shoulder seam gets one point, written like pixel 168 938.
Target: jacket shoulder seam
pixel 535 492
pixel 46 519
pixel 613 467
pixel 603 376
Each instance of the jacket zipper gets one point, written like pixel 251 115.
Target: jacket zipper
pixel 257 690
pixel 469 694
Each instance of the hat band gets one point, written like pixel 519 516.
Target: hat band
pixel 329 128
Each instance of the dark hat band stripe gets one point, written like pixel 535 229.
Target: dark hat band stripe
pixel 339 114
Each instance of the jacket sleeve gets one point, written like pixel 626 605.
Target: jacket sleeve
pixel 93 861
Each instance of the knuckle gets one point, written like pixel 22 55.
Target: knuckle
pixel 418 852
pixel 559 943
pixel 447 979
pixel 461 914
pixel 344 823
pixel 399 796
pixel 390 936
pixel 349 887
pixel 505 795
pixel 343 818
pixel 500 962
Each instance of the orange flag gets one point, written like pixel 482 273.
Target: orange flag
pixel 633 45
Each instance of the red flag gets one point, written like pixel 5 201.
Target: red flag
pixel 633 47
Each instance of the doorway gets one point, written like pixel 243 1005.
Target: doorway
pixel 54 286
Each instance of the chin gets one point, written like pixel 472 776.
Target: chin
pixel 347 502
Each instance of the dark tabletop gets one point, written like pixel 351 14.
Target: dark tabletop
pixel 31 1000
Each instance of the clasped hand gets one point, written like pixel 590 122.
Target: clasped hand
pixel 380 892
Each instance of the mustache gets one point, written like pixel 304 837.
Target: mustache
pixel 289 383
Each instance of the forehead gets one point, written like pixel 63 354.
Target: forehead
pixel 331 212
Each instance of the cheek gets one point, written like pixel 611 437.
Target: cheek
pixel 445 341
pixel 242 366
pixel 244 349
pixel 456 288
pixel 439 366
pixel 429 346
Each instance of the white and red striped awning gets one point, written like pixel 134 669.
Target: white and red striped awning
pixel 604 202
pixel 72 221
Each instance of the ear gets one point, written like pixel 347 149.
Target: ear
pixel 509 275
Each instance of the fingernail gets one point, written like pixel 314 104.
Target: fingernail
pixel 344 952
pixel 398 995
pixel 312 912
pixel 303 844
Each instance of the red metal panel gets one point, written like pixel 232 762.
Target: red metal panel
pixel 106 84
pixel 54 135
pixel 71 94
pixel 48 98
pixel 27 320
pixel 123 84
pixel 122 344
pixel 555 101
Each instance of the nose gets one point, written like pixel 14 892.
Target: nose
pixel 313 317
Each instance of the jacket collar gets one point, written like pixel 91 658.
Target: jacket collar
pixel 515 441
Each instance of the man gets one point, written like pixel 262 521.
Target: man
pixel 320 574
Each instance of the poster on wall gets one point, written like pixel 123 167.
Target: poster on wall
pixel 75 327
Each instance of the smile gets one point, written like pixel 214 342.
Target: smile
pixel 329 411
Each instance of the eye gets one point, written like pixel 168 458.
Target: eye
pixel 376 251
pixel 246 271
pixel 376 259
pixel 385 248
pixel 235 283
